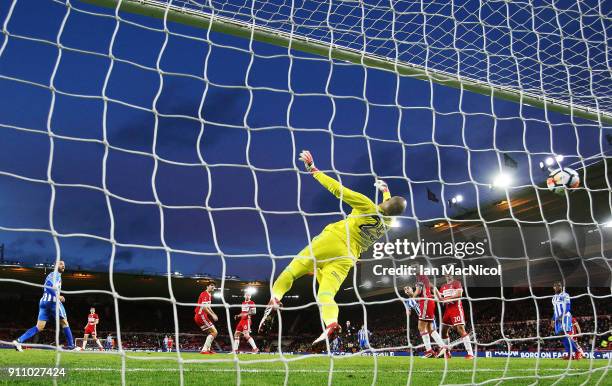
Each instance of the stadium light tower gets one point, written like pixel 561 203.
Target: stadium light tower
pixel 547 164
pixel 457 199
pixel 250 290
pixel 502 180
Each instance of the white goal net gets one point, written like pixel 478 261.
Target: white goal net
pixel 162 138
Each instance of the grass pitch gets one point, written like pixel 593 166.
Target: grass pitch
pixel 89 368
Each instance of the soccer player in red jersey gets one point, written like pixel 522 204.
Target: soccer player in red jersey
pixel 450 295
pixel 170 343
pixel 244 325
pixel 203 316
pixel 91 328
pixel 576 331
pixel 426 306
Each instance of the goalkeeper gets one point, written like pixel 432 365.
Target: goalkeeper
pixel 334 251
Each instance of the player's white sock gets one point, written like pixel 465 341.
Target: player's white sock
pixel 438 339
pixel 467 344
pixel 99 344
pixel 84 343
pixel 426 341
pixel 208 342
pixel 236 343
pixel 252 343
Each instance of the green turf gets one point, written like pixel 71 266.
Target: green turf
pixel 221 369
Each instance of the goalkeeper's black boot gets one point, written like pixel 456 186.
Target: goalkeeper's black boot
pixel 267 318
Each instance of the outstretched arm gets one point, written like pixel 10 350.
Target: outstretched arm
pixel 356 200
pixel 384 188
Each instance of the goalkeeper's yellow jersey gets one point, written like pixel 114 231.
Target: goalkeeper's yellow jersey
pixel 364 225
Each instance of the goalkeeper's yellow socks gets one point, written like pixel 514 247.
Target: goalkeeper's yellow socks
pixel 329 308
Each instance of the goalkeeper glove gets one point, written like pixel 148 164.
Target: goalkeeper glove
pixel 382 186
pixel 306 157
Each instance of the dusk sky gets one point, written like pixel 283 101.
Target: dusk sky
pixel 236 176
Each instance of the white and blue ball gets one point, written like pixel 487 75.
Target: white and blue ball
pixel 562 179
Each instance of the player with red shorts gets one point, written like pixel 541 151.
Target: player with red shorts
pixel 244 325
pixel 573 336
pixel 450 294
pixel 426 304
pixel 203 316
pixel 91 328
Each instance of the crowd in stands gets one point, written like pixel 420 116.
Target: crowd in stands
pixel 517 335
pixel 522 324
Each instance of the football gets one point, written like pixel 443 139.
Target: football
pixel 561 179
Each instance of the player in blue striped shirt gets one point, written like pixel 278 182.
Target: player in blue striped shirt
pixel 363 336
pixel 562 318
pixel 48 308
pixel 335 344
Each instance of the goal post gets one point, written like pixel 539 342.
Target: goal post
pixel 295 41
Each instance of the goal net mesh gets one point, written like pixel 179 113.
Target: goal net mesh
pixel 555 50
pixel 166 134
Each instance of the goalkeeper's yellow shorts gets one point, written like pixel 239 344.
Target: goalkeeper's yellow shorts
pixel 332 259
pixel 330 254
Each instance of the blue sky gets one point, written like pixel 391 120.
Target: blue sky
pixel 249 143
